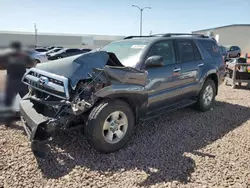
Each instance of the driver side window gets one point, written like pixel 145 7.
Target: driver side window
pixel 164 49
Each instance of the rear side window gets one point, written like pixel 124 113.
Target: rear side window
pixel 188 51
pixel 72 50
pixel 211 47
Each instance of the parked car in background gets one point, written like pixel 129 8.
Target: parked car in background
pixel 38 57
pixel 233 51
pixel 41 49
pixel 106 93
pixel 51 47
pixel 85 50
pixel 224 52
pixel 51 51
pixel 66 52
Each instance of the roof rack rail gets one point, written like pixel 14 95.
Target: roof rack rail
pixel 130 37
pixel 168 35
pixel 179 34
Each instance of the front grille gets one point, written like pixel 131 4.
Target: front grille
pixel 47 82
pixel 38 75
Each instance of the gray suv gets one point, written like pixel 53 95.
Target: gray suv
pixel 106 93
pixel 233 51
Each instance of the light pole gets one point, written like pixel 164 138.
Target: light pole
pixel 35 33
pixel 141 9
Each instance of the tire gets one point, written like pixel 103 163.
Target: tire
pixel 238 55
pixel 99 138
pixel 201 104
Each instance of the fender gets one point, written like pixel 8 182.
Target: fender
pixel 135 95
pixel 205 74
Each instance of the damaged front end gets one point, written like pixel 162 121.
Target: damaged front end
pixel 62 92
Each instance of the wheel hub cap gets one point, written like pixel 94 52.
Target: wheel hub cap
pixel 115 127
pixel 208 95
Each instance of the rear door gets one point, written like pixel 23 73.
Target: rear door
pixel 191 64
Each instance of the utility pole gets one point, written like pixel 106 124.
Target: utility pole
pixel 141 9
pixel 35 34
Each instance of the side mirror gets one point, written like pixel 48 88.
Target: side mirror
pixel 154 61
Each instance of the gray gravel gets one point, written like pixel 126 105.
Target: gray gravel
pixel 185 148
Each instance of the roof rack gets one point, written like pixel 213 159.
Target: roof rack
pixel 179 34
pixel 168 35
pixel 130 37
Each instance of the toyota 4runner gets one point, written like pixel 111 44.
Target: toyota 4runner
pixel 107 92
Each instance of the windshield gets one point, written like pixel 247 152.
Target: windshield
pixel 128 52
pixel 59 51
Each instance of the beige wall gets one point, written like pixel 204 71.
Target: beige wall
pixel 65 40
pixel 234 35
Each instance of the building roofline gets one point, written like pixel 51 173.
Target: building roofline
pixel 232 25
pixel 57 34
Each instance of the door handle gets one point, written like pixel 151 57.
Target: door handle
pixel 177 69
pixel 200 64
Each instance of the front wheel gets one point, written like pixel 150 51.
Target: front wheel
pixel 110 126
pixel 207 96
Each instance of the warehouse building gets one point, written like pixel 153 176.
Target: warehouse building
pixel 236 34
pixel 65 40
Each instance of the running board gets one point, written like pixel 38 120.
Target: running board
pixel 173 107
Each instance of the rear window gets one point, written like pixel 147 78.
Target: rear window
pixel 211 47
pixel 73 50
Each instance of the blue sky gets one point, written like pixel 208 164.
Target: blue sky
pixel 114 17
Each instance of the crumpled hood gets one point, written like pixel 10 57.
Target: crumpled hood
pixel 76 68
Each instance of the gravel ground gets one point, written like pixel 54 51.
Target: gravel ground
pixel 185 148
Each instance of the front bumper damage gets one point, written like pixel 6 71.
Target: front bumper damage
pixel 36 127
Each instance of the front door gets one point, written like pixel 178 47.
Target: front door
pixel 163 82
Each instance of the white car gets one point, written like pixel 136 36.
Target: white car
pixel 51 51
pixel 38 57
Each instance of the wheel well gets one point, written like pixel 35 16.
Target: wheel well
pixel 215 79
pixel 37 60
pixel 128 101
pixel 132 105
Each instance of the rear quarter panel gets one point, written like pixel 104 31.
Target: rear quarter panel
pixel 212 65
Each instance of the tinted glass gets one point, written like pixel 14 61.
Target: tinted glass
pixel 186 51
pixel 72 50
pixel 236 48
pixel 197 54
pixel 41 50
pixel 211 47
pixel 164 49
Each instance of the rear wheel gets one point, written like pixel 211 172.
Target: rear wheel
pixel 207 96
pixel 110 126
